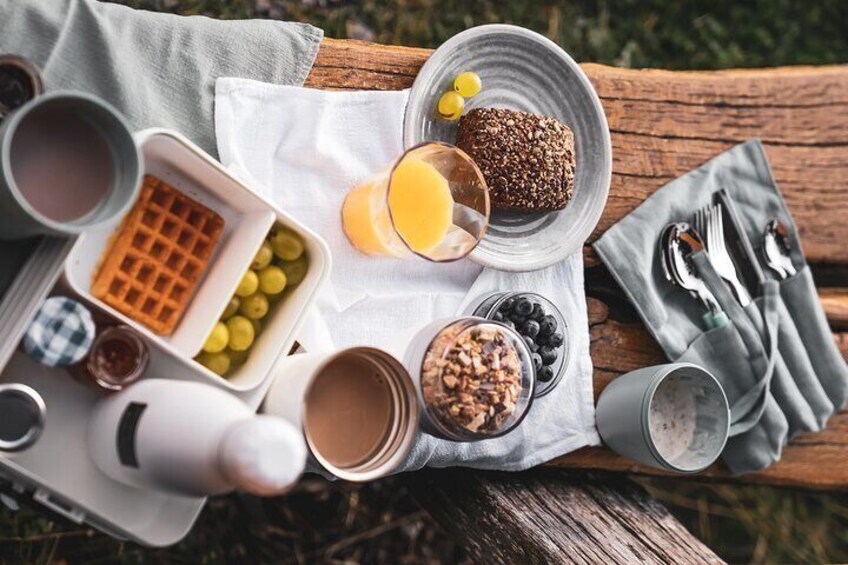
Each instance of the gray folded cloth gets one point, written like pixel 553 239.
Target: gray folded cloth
pixel 796 364
pixel 158 69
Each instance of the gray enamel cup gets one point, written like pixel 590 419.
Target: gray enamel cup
pixel 19 218
pixel 673 417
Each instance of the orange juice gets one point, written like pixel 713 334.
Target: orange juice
pixel 366 220
pixel 421 205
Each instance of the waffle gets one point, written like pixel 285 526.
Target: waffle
pixel 151 267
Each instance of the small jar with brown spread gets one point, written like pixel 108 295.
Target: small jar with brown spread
pixel 118 358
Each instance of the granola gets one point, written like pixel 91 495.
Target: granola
pixel 471 378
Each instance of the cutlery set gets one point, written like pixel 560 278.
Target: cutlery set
pixel 716 230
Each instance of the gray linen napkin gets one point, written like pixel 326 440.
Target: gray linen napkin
pixel 798 400
pixel 158 69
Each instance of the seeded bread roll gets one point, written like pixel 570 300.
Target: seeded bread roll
pixel 527 159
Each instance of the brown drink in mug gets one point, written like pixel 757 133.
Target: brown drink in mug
pixel 69 164
pixel 357 409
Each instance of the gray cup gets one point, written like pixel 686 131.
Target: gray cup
pixel 673 417
pixel 18 218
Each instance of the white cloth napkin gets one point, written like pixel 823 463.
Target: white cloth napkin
pixel 304 149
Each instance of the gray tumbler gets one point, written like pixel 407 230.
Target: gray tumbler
pixel 97 135
pixel 673 417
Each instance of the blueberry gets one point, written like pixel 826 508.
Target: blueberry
pixel 530 328
pixel 530 343
pixel 523 307
pixel 507 305
pixel 509 324
pixel 497 316
pixel 538 313
pixel 548 325
pixel 556 339
pixel 517 320
pixel 537 362
pixel 545 374
pixel 548 354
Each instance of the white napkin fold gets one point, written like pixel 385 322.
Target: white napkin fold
pixel 304 149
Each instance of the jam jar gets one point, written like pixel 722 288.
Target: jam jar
pixel 118 358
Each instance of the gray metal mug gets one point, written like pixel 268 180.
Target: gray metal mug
pixel 628 417
pixel 19 219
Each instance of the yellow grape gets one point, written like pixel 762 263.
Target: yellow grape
pixel 218 363
pixel 254 306
pixel 263 257
pixel 218 339
pixel 468 84
pixel 272 280
pixel 450 105
pixel 248 285
pixel 241 333
pixel 232 308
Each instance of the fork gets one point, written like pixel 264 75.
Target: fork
pixel 710 223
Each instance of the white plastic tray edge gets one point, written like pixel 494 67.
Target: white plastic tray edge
pixel 159 534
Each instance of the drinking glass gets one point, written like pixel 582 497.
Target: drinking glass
pixel 432 202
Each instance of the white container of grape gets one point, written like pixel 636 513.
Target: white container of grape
pixel 263 323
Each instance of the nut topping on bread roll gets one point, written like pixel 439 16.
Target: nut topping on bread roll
pixel 526 159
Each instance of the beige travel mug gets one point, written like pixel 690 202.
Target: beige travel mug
pixel 357 408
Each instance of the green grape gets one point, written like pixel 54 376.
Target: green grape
pixel 451 105
pixel 217 340
pixel 232 308
pixel 286 245
pixel 254 306
pixel 237 358
pixel 248 285
pixel 218 363
pixel 263 257
pixel 295 270
pixel 241 333
pixel 467 84
pixel 272 280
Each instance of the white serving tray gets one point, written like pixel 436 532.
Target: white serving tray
pixel 57 471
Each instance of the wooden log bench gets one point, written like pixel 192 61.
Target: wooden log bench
pixel 663 124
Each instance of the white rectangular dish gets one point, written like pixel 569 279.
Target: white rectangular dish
pixel 57 470
pixel 248 218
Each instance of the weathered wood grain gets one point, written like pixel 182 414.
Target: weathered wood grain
pixel 814 461
pixel 545 516
pixel 663 124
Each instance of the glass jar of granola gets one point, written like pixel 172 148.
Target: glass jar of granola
pixel 475 378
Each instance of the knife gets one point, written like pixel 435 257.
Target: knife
pixel 739 245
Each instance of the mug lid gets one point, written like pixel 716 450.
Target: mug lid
pixel 61 333
pixel 21 416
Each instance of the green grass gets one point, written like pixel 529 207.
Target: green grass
pixel 632 33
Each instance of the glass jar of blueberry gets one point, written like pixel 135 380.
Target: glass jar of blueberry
pixel 539 323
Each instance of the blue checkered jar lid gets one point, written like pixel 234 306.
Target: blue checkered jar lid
pixel 61 333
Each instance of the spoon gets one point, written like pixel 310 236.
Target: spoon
pixel 776 248
pixel 677 242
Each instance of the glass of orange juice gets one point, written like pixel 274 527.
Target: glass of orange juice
pixel 432 202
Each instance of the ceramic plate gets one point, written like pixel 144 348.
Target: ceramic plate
pixel 522 70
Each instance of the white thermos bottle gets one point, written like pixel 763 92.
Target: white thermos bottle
pixel 193 439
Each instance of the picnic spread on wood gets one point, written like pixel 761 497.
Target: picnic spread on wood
pixel 441 255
